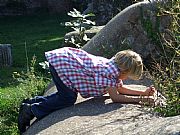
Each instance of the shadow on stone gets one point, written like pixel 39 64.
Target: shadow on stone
pixel 89 107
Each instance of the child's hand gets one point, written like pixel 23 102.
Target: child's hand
pixel 119 84
pixel 150 101
pixel 150 91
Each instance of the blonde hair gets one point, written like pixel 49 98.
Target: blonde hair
pixel 129 62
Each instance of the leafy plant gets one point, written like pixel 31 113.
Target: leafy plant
pixel 167 68
pixel 34 81
pixel 30 84
pixel 80 25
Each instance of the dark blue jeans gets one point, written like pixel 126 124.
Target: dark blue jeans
pixel 65 97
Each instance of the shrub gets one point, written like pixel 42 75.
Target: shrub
pixel 30 84
pixel 167 75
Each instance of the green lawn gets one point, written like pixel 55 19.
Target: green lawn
pixel 40 33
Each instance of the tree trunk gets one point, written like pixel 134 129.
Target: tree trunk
pixel 5 55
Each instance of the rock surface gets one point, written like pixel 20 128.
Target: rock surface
pixel 99 116
pixel 90 33
pixel 130 30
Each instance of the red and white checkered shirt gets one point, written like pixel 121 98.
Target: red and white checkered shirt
pixel 83 72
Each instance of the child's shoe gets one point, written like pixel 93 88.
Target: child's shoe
pixel 24 117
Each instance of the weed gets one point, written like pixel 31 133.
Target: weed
pixel 166 68
pixel 35 82
pixel 30 84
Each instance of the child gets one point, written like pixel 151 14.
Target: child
pixel 74 70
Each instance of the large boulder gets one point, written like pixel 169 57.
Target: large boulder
pixel 99 116
pixel 90 33
pixel 128 30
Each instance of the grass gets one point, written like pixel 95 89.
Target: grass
pixel 8 116
pixel 11 97
pixel 40 33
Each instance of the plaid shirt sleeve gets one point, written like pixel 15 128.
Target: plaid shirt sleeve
pixel 104 81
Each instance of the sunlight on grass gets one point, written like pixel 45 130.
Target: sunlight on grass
pixel 40 33
pixel 55 39
pixel 59 39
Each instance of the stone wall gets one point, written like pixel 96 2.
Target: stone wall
pixel 12 7
pixel 59 6
pixel 103 9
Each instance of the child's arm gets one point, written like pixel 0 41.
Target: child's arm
pixel 116 97
pixel 127 91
